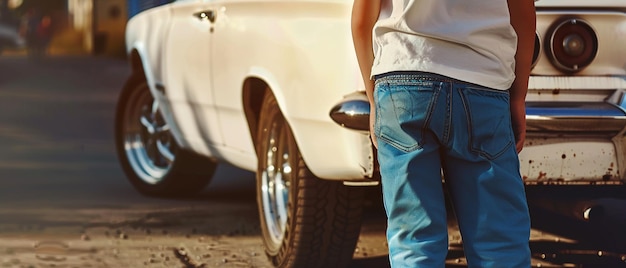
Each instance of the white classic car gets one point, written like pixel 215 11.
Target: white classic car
pixel 273 87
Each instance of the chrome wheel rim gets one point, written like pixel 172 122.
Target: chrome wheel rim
pixel 148 143
pixel 275 182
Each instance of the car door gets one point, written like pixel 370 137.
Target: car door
pixel 238 45
pixel 187 73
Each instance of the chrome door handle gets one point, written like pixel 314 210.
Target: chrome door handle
pixel 205 15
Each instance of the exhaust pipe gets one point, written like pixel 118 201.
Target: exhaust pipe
pixel 607 210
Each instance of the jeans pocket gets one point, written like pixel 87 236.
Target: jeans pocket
pixel 402 114
pixel 489 121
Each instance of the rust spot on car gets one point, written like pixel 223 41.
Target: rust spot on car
pixel 563 156
pixel 542 175
pixel 556 91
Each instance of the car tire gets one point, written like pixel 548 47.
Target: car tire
pixel 148 153
pixel 306 221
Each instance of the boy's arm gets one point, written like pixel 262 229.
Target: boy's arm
pixel 364 16
pixel 523 20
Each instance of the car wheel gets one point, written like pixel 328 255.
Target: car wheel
pixel 305 221
pixel 149 154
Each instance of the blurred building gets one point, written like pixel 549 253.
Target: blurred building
pixel 110 17
pixel 85 26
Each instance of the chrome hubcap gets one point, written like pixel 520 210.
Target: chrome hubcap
pixel 148 142
pixel 275 182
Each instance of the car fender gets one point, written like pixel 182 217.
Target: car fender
pixel 348 155
pixel 146 69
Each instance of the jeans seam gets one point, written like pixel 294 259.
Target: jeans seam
pixel 448 124
pixel 377 112
pixel 429 115
pixel 468 120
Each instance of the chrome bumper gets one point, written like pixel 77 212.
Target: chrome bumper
pixel 541 117
pixel 578 117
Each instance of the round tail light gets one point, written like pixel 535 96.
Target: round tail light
pixel 572 45
pixel 537 50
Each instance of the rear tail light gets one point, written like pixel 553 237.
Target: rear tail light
pixel 537 50
pixel 572 45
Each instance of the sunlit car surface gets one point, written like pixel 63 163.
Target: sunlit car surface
pixel 10 38
pixel 273 87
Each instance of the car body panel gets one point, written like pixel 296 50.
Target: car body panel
pixel 279 33
pixel 186 74
pixel 314 79
pixel 566 154
pixel 302 50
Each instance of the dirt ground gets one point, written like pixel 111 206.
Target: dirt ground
pixel 224 235
pixel 112 238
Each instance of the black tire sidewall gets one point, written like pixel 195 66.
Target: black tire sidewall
pixel 189 172
pixel 303 238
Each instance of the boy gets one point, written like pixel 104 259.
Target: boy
pixel 447 80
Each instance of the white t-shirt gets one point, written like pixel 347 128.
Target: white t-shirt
pixel 469 40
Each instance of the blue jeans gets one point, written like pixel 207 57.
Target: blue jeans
pixel 427 125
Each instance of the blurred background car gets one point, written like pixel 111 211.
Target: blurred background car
pixel 10 38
